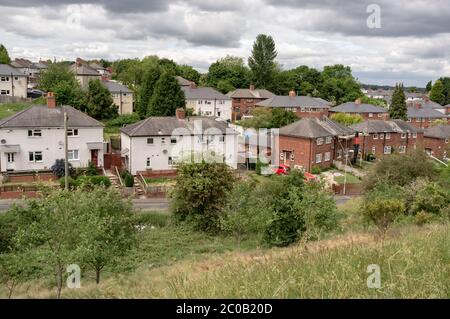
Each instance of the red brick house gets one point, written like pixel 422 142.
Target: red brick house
pixel 367 111
pixel 302 106
pixel 244 100
pixel 378 138
pixel 422 113
pixel 313 142
pixel 437 141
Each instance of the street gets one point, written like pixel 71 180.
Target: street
pixel 148 204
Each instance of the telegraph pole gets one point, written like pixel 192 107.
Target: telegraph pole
pixel 66 155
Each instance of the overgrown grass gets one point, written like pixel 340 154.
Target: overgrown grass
pixel 9 109
pixel 414 263
pixel 159 180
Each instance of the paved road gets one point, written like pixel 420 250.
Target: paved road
pixel 150 204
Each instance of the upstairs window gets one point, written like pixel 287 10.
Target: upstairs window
pixel 375 136
pixel 173 140
pixel 222 138
pixel 73 155
pixel 150 140
pixel 319 141
pixel 388 136
pixel 72 132
pixel 328 140
pixel 318 158
pixel 403 136
pixel 34 133
pixel 387 150
pixel 4 78
pixel 414 135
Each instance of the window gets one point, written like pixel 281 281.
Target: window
pixel 303 110
pixel 4 92
pixel 446 141
pixel 163 140
pixel 222 139
pixel 149 162
pixel 409 120
pixel 387 150
pixel 370 114
pixel 35 157
pixel 172 160
pixel 373 150
pixel 10 157
pixel 4 78
pixel 388 136
pixel 414 135
pixel 327 156
pixel 318 158
pixel 72 132
pixel 73 155
pixel 375 136
pixel 16 78
pixel 173 140
pixel 319 141
pixel 150 140
pixel 339 154
pixel 380 114
pixel 34 133
pixel 402 149
pixel 403 136
pixel 328 140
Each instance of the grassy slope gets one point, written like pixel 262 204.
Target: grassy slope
pixel 415 263
pixel 9 109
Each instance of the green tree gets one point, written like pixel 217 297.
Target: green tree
pixel 398 108
pixel 188 72
pixel 227 74
pixel 262 118
pixel 4 56
pixel 15 267
pixel 446 82
pixel 54 75
pixel 437 93
pixel 382 212
pixel 146 89
pixel 347 119
pixel 302 79
pixel 262 61
pixel 427 196
pixel 167 97
pixel 281 117
pixel 70 93
pixel 100 104
pixel 429 86
pixel 338 84
pixel 201 193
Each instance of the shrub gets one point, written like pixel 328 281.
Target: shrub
pixel 152 219
pixel 59 168
pixel 122 120
pixel 347 119
pixel 382 212
pixel 422 218
pixel 259 166
pixel 72 182
pixel 427 196
pixel 316 170
pixel 8 227
pixel 128 180
pixel 91 170
pixel 93 180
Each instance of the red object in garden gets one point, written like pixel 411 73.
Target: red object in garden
pixel 282 169
pixel 309 177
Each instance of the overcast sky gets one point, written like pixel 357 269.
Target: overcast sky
pixel 410 42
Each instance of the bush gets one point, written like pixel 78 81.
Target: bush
pixel 123 120
pixel 128 180
pixel 259 166
pixel 91 170
pixel 86 181
pixel 8 227
pixel 316 170
pixel 72 182
pixel 382 212
pixel 423 218
pixel 427 196
pixel 59 168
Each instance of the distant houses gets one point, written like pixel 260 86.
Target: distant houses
pixel 366 111
pixel 437 141
pixel 302 106
pixel 13 83
pixel 245 101
pixel 122 96
pixel 30 69
pixel 84 73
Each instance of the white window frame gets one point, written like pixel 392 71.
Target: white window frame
pixel 388 136
pixel 319 141
pixel 148 162
pixel 403 136
pixel 375 136
pixel 327 157
pixel 318 158
pixel 173 141
pixel 172 160
pixel 414 135
pixel 446 141
pixel 10 157
pixel 387 147
pixel 35 133
pixel 370 114
pixel 380 114
pixel 222 139
pixel 163 141
pixel 339 154
pixel 34 157
pixel 4 78
pixel 72 132
pixel 71 155
pixel 374 149
pixel 402 149
pixel 328 140
pixel 152 141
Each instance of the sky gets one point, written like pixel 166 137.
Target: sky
pixel 384 41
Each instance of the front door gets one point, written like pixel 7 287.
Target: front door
pixel 94 157
pixel 10 161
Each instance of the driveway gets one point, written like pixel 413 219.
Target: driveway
pixel 149 204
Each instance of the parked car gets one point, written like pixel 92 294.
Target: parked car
pixel 34 94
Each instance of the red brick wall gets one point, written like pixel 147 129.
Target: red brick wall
pixel 438 147
pixel 367 142
pixel 18 194
pixel 158 174
pixel 243 107
pixel 422 124
pixel 32 178
pixel 350 189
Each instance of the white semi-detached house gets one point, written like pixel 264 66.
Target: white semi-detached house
pixel 122 96
pixel 12 82
pixel 206 101
pixel 33 139
pixel 159 143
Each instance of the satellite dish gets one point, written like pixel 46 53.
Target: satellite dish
pixel 164 151
pixel 3 141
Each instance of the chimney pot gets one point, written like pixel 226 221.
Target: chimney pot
pixel 180 114
pixel 252 87
pixel 358 101
pixel 292 93
pixel 51 100
pixel 193 85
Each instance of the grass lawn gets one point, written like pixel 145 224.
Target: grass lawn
pixel 159 180
pixel 9 109
pixel 351 179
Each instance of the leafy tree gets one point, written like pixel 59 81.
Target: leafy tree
pixel 437 93
pixel 427 196
pixel 59 168
pixel 100 104
pixel 281 117
pixel 70 93
pixel 367 100
pixel 429 86
pixel 347 119
pixel 446 82
pixel 226 74
pixel 382 212
pixel 201 193
pixel 4 56
pixel 398 108
pixel 188 72
pixel 54 75
pixel 438 122
pixel 129 72
pixel 338 84
pixel 167 97
pixel 145 91
pixel 262 61
pixel 400 169
pixel 15 267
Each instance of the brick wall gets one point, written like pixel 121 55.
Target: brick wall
pixel 395 141
pixel 243 107
pixel 158 174
pixel 28 178
pixel 437 146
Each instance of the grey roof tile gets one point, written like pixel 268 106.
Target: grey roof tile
pixel 294 101
pixel 6 69
pixel 426 113
pixel 205 93
pixel 116 87
pixel 379 126
pixel 439 131
pixel 352 107
pixel 250 94
pixel 314 127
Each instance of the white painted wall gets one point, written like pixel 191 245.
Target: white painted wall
pixel 218 108
pixel 51 144
pixel 160 152
pixel 20 85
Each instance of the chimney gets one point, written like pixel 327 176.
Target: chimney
pixel 180 113
pixel 193 85
pixel 51 100
pixel 417 105
pixel 292 93
pixel 105 78
pixel 252 87
pixel 358 101
pixel 426 98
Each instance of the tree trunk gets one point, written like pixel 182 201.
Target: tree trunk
pixel 97 276
pixel 59 279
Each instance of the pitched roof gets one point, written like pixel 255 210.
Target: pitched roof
pixel 205 93
pixel 392 126
pixel 294 101
pixel 439 131
pixel 314 127
pixel 165 126
pixel 427 113
pixel 250 94
pixel 115 87
pixel 426 104
pixel 352 107
pixel 182 81
pixel 6 69
pixel 83 69
pixel 42 116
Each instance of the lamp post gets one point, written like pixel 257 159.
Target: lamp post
pixel 66 153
